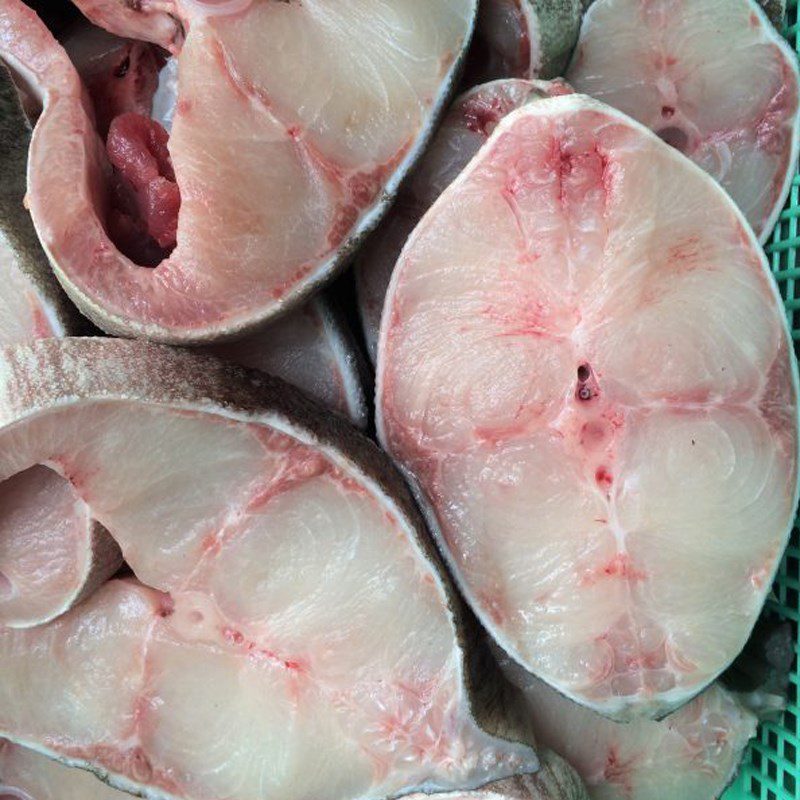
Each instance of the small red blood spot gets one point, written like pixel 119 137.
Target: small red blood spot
pixel 667 111
pixel 618 771
pixel 295 132
pixel 617 567
pixel 166 606
pixel 233 636
pixel 753 21
pixel 184 106
pixel 671 61
pixel 603 477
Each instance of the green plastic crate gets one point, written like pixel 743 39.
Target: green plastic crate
pixel 771 766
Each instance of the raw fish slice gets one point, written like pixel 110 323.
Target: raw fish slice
pixel 525 38
pixel 287 611
pixel 468 124
pixel 713 78
pixel 273 171
pixel 57 553
pixel 310 347
pixel 27 775
pixel 585 366
pixel 693 754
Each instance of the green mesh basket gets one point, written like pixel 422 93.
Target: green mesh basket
pixel 771 766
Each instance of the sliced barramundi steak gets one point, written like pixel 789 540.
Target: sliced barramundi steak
pixel 310 347
pixel 288 633
pixel 585 366
pixel 51 551
pixel 525 38
pixel 28 775
pixel 294 124
pixel 467 125
pixel 713 78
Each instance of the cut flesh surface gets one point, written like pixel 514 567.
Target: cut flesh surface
pixel 51 551
pixel 282 164
pixel 692 754
pixel 584 363
pixel 311 348
pixel 277 560
pixel 713 78
pixel 526 38
pixel 467 125
pixel 27 775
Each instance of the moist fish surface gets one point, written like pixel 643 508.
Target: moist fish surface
pixel 713 78
pixel 27 775
pixel 585 370
pixel 272 172
pixel 693 754
pixel 310 347
pixel 287 632
pixel 468 124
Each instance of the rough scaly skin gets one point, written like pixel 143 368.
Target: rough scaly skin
pixel 55 316
pixel 15 222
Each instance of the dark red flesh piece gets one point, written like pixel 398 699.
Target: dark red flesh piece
pixel 143 218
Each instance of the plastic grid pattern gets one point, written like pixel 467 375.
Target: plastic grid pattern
pixel 771 766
